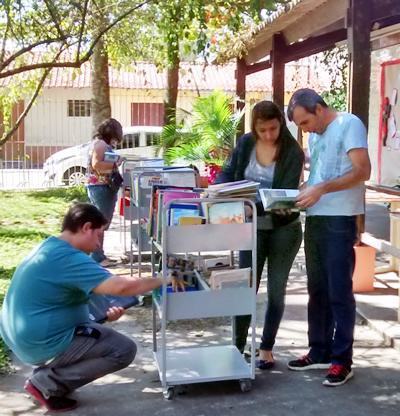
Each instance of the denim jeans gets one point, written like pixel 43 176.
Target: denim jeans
pixel 279 246
pixel 105 200
pixel 329 242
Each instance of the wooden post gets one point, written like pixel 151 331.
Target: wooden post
pixel 358 30
pixel 240 91
pixel 359 45
pixel 278 70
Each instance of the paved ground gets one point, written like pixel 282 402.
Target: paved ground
pixel 374 390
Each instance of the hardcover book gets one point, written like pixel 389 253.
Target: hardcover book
pixel 279 198
pixel 226 213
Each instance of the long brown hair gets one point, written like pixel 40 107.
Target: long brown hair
pixel 265 111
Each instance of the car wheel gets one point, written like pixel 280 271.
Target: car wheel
pixel 75 176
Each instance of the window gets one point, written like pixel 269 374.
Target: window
pixel 78 108
pixel 129 141
pixel 152 139
pixel 147 114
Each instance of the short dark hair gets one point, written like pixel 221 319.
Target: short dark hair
pixel 79 214
pixel 109 129
pixel 265 111
pixel 306 98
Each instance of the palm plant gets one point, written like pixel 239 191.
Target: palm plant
pixel 206 134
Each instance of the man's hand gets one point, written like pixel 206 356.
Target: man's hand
pixel 309 196
pixel 114 313
pixel 177 282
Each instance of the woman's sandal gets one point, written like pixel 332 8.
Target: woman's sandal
pixel 264 364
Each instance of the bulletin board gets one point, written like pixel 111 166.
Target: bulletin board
pixel 389 125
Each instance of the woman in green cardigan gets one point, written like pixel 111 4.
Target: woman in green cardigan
pixel 269 155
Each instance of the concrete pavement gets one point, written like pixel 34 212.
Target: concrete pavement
pixel 375 388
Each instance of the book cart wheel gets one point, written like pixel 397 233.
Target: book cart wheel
pixel 169 393
pixel 245 385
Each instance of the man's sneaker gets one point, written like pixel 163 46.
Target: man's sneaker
pixel 53 403
pixel 337 375
pixel 306 363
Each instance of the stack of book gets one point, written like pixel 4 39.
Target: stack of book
pixel 238 189
pixel 178 213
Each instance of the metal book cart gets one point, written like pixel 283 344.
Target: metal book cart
pixel 142 179
pixel 182 366
pixel 128 213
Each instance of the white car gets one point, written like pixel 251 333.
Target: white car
pixel 68 166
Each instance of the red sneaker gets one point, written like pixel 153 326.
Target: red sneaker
pixel 53 403
pixel 338 374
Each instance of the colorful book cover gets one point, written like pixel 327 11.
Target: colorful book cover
pixel 226 213
pixel 170 194
pixel 177 211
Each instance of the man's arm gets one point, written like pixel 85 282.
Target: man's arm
pixel 127 286
pixel 360 172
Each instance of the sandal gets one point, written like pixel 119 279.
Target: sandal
pixel 264 364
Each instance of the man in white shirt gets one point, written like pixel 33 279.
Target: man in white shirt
pixel 333 197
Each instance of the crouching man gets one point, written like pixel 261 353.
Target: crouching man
pixel 45 318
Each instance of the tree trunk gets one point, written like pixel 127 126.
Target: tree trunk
pixel 172 91
pixel 100 99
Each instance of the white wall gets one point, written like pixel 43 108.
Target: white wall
pixel 48 124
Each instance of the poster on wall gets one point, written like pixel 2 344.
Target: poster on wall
pixel 389 126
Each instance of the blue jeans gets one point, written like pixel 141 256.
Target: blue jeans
pixel 329 242
pixel 279 246
pixel 104 199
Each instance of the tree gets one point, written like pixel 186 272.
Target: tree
pixel 100 99
pixel 38 35
pixel 336 63
pixel 173 30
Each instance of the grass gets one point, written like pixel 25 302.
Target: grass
pixel 26 219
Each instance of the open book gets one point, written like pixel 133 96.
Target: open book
pixel 279 198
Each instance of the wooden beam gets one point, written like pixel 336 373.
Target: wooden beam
pixel 314 45
pixel 278 69
pixel 259 66
pixel 380 245
pixel 384 8
pixel 359 45
pixel 240 91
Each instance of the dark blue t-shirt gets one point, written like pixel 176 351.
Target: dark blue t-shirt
pixel 47 299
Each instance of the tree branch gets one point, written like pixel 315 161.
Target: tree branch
pixel 3 46
pixel 82 28
pixel 8 134
pixel 25 50
pixel 55 17
pixel 77 63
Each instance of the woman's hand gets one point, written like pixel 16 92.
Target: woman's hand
pixel 283 211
